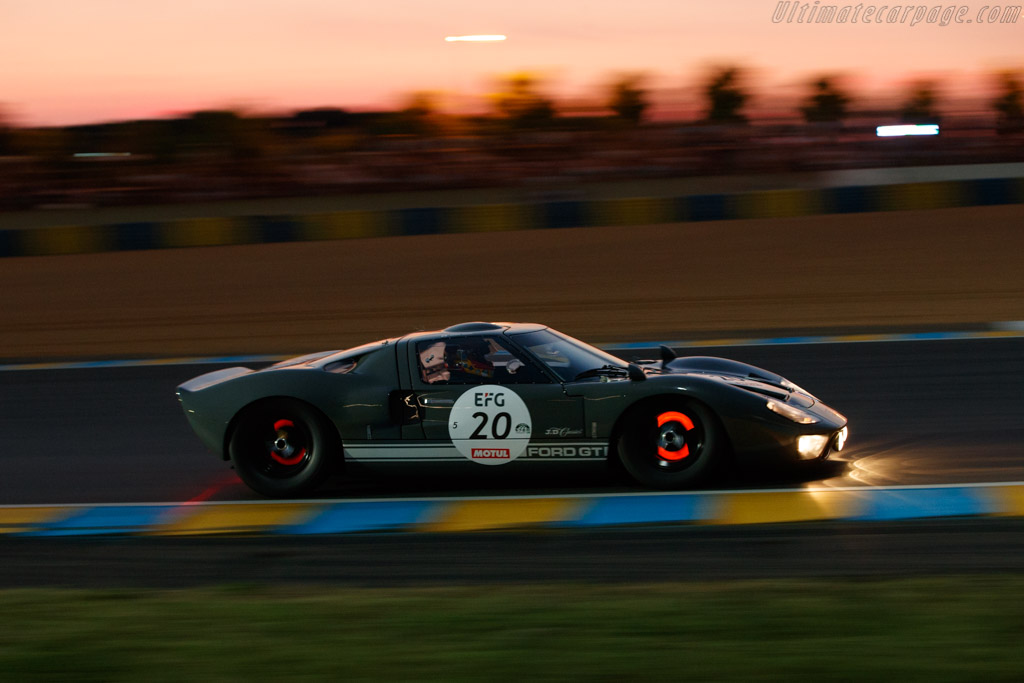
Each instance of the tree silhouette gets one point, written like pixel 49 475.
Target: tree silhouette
pixel 628 99
pixel 520 101
pixel 419 115
pixel 226 132
pixel 7 137
pixel 153 138
pixel 1009 105
pixel 322 119
pixel 826 103
pixel 920 106
pixel 726 96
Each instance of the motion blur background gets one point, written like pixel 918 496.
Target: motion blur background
pixel 145 115
pixel 116 104
pixel 129 126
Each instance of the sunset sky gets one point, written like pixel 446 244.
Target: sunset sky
pixel 72 61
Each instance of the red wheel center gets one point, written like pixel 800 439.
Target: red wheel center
pixel 671 438
pixel 282 451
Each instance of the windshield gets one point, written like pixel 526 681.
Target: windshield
pixel 565 356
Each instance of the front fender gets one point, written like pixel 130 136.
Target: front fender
pixel 743 414
pixel 721 365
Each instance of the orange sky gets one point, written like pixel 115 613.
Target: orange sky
pixel 68 61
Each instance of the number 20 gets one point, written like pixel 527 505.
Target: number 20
pixel 496 431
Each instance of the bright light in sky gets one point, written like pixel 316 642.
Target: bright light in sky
pixel 908 129
pixel 74 61
pixel 475 39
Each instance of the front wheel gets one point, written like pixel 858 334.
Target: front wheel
pixel 671 445
pixel 282 448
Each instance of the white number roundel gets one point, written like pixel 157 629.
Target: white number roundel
pixel 490 425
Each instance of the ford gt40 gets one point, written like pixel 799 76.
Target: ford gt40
pixel 494 394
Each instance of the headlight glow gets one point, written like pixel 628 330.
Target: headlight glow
pixel 791 413
pixel 841 438
pixel 810 446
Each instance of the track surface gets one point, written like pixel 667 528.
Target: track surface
pixel 933 412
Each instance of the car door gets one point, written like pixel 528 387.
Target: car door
pixel 483 399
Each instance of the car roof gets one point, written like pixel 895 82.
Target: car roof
pixel 476 328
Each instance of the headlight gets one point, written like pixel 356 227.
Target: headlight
pixel 810 446
pixel 789 412
pixel 841 438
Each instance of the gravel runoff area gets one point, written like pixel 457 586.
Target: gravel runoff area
pixel 938 268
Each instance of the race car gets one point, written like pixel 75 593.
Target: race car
pixel 501 394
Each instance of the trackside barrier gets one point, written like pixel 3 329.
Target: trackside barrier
pixel 196 232
pixel 503 513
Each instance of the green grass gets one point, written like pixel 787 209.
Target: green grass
pixel 927 629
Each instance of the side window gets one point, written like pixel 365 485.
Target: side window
pixel 433 369
pixel 473 360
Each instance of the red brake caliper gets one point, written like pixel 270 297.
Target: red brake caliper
pixel 279 427
pixel 673 416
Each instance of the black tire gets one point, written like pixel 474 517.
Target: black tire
pixel 282 448
pixel 671 445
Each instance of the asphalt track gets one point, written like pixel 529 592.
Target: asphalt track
pixel 930 412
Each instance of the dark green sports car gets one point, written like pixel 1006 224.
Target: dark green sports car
pixel 498 393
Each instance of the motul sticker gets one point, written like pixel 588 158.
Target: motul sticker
pixel 490 425
pixel 491 454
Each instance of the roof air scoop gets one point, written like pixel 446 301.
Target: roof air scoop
pixel 473 327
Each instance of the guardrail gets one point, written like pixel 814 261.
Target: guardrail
pixel 355 224
pixel 506 513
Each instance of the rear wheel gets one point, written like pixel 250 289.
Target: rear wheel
pixel 282 448
pixel 670 445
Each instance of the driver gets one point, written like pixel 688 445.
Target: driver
pixel 468 361
pixel 433 368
